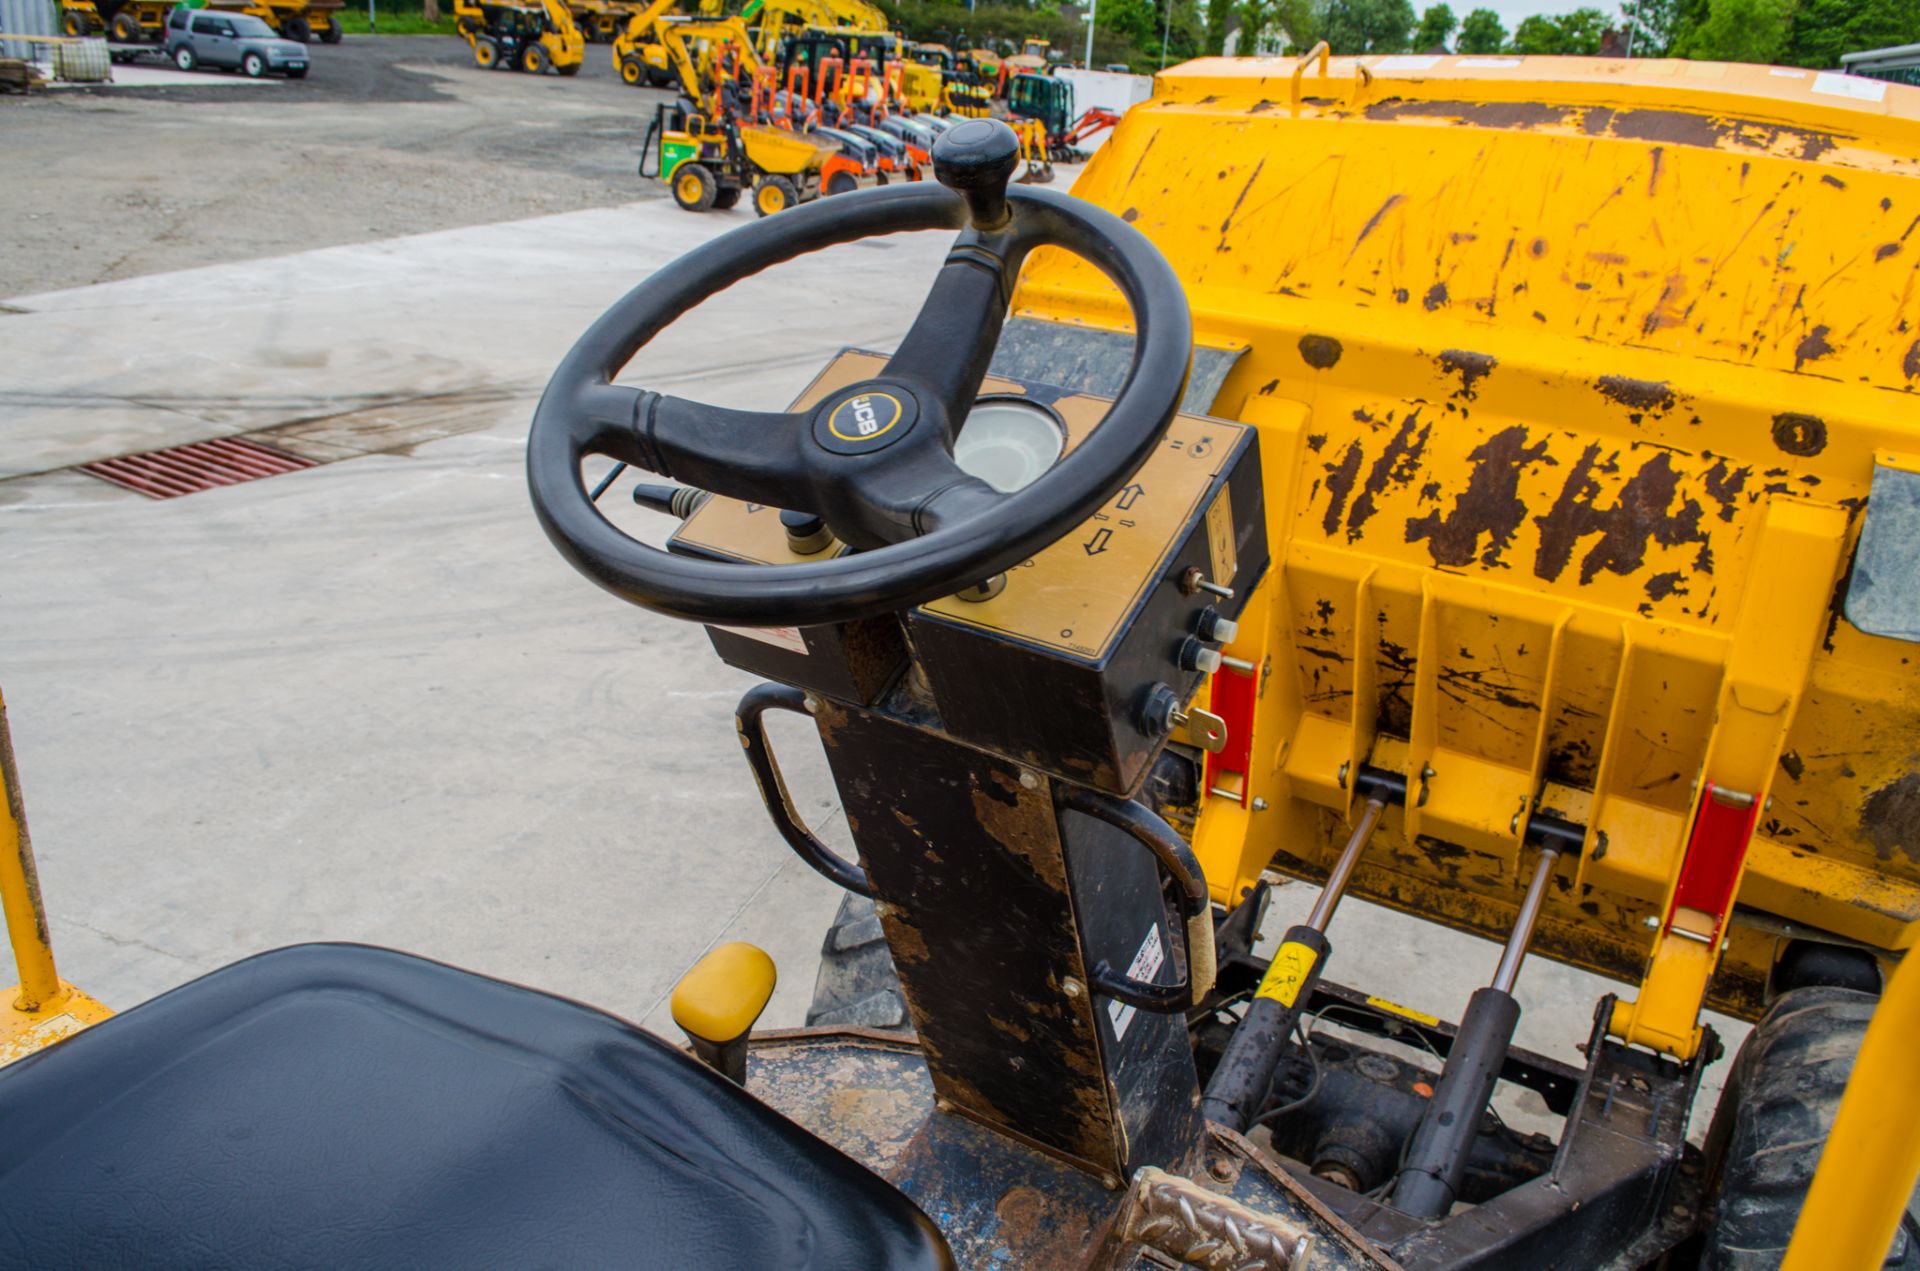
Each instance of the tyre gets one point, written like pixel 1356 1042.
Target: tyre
pixel 774 194
pixel 73 24
pixel 568 71
pixel 694 188
pixel 253 66
pixel 486 54
pixel 660 77
pixel 857 986
pixel 332 34
pixel 299 30
pixel 184 59
pixel 724 199
pixel 534 60
pixel 841 183
pixel 632 70
pixel 125 28
pixel 1781 1096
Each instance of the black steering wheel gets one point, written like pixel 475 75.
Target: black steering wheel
pixel 875 460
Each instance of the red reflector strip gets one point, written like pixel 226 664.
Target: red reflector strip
pixel 200 465
pixel 1710 871
pixel 1232 701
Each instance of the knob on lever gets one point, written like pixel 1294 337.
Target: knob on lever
pixel 977 159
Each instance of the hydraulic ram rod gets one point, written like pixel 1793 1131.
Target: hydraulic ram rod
pixel 1239 1084
pixel 1442 1143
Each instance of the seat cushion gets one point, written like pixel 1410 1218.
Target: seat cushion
pixel 336 1105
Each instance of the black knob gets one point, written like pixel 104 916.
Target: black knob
pixel 977 159
pixel 807 534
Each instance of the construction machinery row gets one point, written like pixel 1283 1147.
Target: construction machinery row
pixel 144 21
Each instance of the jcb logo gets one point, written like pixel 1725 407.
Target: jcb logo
pixel 865 417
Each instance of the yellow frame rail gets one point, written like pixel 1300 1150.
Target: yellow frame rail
pixel 42 1008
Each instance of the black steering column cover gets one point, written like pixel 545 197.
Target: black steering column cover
pixel 341 1106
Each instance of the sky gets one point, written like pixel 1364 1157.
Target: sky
pixel 1511 11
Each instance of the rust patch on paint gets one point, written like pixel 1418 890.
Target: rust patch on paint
pixel 1398 465
pixel 1131 215
pixel 1490 505
pixel 1644 513
pixel 1435 297
pixel 1724 485
pixel 1813 348
pixel 1911 363
pixel 1470 367
pixel 1885 250
pixel 1678 127
pixel 1478 114
pixel 1890 818
pixel 1393 201
pixel 1340 479
pixel 1320 352
pixel 1654 396
pixel 1803 435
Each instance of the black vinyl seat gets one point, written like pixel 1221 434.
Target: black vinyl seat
pixel 342 1106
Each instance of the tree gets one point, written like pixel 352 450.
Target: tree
pixel 1580 31
pixel 1436 27
pixel 1218 11
pixel 1741 31
pixel 1824 29
pixel 1482 32
pixel 1537 34
pixel 1366 26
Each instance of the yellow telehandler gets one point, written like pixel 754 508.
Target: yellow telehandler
pixel 1488 488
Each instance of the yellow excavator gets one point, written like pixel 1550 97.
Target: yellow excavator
pixel 860 25
pixel 521 35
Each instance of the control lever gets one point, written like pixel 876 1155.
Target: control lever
pixel 1436 1161
pixel 1240 1082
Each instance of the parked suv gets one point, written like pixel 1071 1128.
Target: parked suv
pixel 233 41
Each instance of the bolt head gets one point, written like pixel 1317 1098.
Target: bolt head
pixel 1073 987
pixel 1259 805
pixel 813 704
pixel 1029 781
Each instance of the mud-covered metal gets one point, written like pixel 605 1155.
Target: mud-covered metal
pixel 1883 595
pixel 1570 378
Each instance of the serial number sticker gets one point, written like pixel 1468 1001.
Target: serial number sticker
pixel 1858 87
pixel 779 637
pixel 1404 1012
pixel 1287 975
pixel 1145 965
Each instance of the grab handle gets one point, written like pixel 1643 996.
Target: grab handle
pixel 760 699
pixel 1154 834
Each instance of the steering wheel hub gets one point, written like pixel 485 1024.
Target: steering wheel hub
pixel 866 418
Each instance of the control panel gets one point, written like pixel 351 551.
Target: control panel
pixel 1079 661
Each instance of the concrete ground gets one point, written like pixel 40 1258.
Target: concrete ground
pixel 386 136
pixel 367 701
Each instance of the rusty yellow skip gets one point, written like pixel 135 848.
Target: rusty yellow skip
pixel 1572 377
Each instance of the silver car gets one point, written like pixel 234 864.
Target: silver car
pixel 232 41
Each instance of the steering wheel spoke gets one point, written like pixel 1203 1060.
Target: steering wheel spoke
pixel 754 456
pixel 946 352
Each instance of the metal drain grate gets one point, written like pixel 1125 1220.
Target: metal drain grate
pixel 200 465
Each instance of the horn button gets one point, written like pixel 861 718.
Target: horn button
pixel 865 419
